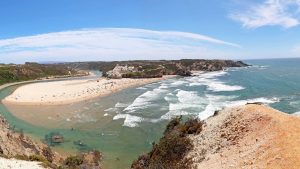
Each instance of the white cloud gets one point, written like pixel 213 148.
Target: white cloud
pixel 111 44
pixel 283 13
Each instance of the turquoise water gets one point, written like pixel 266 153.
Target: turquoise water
pixel 125 124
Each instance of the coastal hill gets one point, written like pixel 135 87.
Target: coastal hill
pixel 154 69
pixel 31 71
pixel 141 69
pixel 250 136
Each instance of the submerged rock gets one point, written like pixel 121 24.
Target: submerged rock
pixel 57 138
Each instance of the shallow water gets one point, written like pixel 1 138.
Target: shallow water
pixel 125 124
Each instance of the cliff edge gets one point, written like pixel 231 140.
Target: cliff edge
pixel 250 136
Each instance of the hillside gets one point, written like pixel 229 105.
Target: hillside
pixel 250 136
pixel 150 69
pixel 18 149
pixel 30 71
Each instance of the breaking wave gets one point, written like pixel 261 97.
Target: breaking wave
pixel 130 120
pixel 213 84
pixel 144 100
pixel 220 102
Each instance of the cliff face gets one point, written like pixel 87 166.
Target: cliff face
pixel 14 145
pixel 250 136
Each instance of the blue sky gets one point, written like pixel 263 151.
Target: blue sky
pixel 73 30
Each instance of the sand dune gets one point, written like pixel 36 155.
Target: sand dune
pixel 69 91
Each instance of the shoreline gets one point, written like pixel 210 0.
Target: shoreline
pixel 57 78
pixel 71 91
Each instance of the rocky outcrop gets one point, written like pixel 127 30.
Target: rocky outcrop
pixel 250 136
pixel 152 69
pixel 15 145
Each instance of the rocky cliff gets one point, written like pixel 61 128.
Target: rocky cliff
pixel 250 136
pixel 15 145
pixel 152 69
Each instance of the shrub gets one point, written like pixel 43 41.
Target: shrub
pixel 47 152
pixel 172 148
pixel 73 161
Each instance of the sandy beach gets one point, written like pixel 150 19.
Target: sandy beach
pixel 70 91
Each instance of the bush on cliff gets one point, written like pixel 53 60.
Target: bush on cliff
pixel 172 148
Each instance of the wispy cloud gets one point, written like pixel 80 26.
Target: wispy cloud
pixel 111 44
pixel 284 13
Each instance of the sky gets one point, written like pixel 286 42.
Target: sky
pixel 104 30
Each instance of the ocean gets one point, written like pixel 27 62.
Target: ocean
pixel 125 125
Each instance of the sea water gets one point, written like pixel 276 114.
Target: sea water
pixel 124 125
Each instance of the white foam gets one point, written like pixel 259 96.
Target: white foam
pixel 83 118
pixel 186 100
pixel 215 102
pixel 255 100
pixel 297 113
pixel 130 120
pixel 183 103
pixel 220 102
pixel 261 66
pixel 178 83
pixel 211 75
pixel 172 114
pixel 141 88
pixel 144 100
pixel 210 80
pixel 163 86
pixel 106 114
pixel 112 109
pixel 121 105
pixel 219 86
pixel 195 84
pixel 188 97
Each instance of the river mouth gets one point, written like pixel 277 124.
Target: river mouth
pixel 86 123
pixel 124 125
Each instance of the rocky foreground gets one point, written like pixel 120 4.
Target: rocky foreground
pixel 250 136
pixel 19 151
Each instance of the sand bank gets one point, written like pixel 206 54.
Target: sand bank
pixel 70 91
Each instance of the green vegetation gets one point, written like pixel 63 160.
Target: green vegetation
pixel 150 69
pixel 91 159
pixel 172 148
pixel 30 71
pixel 73 161
pixel 44 162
